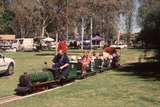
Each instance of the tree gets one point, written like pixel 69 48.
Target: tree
pixel 6 17
pixel 151 28
pixel 104 13
pixel 145 9
pixel 33 17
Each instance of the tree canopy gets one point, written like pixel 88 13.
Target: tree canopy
pixel 39 17
pixel 6 17
pixel 150 33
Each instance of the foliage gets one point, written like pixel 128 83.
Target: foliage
pixel 146 8
pixel 151 26
pixel 6 18
pixel 33 17
pixel 104 14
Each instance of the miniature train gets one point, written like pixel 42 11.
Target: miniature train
pixel 39 81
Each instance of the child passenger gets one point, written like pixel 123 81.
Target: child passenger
pixel 85 61
pixel 93 57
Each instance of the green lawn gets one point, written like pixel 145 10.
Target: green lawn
pixel 109 89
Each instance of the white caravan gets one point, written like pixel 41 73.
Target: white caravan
pixel 23 44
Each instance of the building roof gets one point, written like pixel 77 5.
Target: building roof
pixel 7 37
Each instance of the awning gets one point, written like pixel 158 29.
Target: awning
pixel 7 37
pixel 48 39
pixel 97 38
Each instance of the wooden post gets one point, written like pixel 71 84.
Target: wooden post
pixel 91 31
pixel 67 19
pixel 118 38
pixel 82 33
pixel 56 42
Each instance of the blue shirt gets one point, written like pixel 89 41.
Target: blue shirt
pixel 61 60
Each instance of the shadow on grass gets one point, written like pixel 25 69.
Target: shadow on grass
pixel 147 70
pixel 52 54
pixel 45 54
pixel 4 76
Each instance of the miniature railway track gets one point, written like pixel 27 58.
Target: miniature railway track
pixel 12 98
pixel 7 99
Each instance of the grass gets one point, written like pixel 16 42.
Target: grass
pixel 109 89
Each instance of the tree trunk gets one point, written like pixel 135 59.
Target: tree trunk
pixel 43 31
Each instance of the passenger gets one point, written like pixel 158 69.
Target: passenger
pixel 101 56
pixel 107 56
pixel 112 55
pixel 97 56
pixel 61 65
pixel 110 50
pixel 99 62
pixel 85 61
pixel 107 59
pixel 92 56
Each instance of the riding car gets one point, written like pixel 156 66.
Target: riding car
pixel 6 65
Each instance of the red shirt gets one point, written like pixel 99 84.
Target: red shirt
pixel 62 45
pixel 109 50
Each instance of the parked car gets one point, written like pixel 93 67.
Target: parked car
pixel 4 45
pixel 87 44
pixel 6 65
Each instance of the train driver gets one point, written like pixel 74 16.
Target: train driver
pixel 61 65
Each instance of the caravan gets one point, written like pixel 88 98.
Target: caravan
pixel 23 44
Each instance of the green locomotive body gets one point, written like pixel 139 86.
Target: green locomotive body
pixel 42 76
